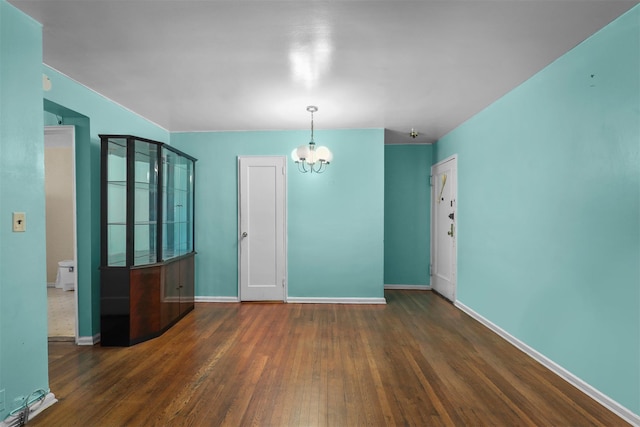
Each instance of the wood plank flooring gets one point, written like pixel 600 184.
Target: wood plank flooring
pixel 417 361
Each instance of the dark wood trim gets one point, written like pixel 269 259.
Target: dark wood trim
pixel 163 144
pixel 104 146
pixel 131 200
pixel 159 203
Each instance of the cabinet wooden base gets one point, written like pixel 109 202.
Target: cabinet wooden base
pixel 140 303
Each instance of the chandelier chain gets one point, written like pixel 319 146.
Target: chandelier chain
pixel 312 109
pixel 308 157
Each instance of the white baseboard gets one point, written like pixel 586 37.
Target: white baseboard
pixel 51 284
pixel 49 400
pixel 303 300
pixel 34 410
pixel 409 287
pixel 217 299
pixel 589 390
pixel 313 300
pixel 89 340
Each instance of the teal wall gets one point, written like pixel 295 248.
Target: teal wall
pixel 548 211
pixel 335 219
pixel 407 215
pixel 23 297
pixel 549 208
pixel 92 114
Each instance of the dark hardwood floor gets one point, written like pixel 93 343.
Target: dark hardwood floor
pixel 416 361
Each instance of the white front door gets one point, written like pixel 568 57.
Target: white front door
pixel 261 233
pixel 444 231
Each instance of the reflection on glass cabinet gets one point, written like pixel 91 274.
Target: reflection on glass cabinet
pixel 117 196
pixel 177 209
pixel 147 243
pixel 155 217
pixel 145 203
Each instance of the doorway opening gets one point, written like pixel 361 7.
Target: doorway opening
pixel 61 244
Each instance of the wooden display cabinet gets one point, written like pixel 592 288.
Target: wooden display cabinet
pixel 147 238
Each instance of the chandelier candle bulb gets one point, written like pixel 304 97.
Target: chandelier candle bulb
pixel 303 152
pixel 324 154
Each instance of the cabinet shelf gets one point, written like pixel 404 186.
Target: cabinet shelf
pixel 135 223
pixel 141 184
pixel 147 226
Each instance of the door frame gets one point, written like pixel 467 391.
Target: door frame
pixel 285 290
pixel 453 158
pixel 69 131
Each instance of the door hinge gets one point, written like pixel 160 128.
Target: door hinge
pixel 430 180
pixel 283 170
pixel 430 270
pixel 283 283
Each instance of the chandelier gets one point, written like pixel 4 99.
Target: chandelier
pixel 310 158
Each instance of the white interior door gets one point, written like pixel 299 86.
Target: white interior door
pixel 444 230
pixel 261 234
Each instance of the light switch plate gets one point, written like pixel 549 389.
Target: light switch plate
pixel 19 222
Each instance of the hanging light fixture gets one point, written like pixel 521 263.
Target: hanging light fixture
pixel 310 158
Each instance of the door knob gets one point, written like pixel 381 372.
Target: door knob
pixel 244 234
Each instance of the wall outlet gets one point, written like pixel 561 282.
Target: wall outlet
pixel 19 222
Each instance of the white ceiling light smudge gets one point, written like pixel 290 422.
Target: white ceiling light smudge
pixel 310 55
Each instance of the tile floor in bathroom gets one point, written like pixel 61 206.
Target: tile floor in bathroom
pixel 61 317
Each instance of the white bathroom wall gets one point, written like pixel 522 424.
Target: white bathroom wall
pixel 58 159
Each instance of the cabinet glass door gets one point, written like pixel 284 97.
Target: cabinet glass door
pixel 145 203
pixel 117 202
pixel 184 192
pixel 177 206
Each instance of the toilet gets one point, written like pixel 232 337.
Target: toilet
pixel 66 276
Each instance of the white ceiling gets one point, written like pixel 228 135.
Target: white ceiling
pixel 255 65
